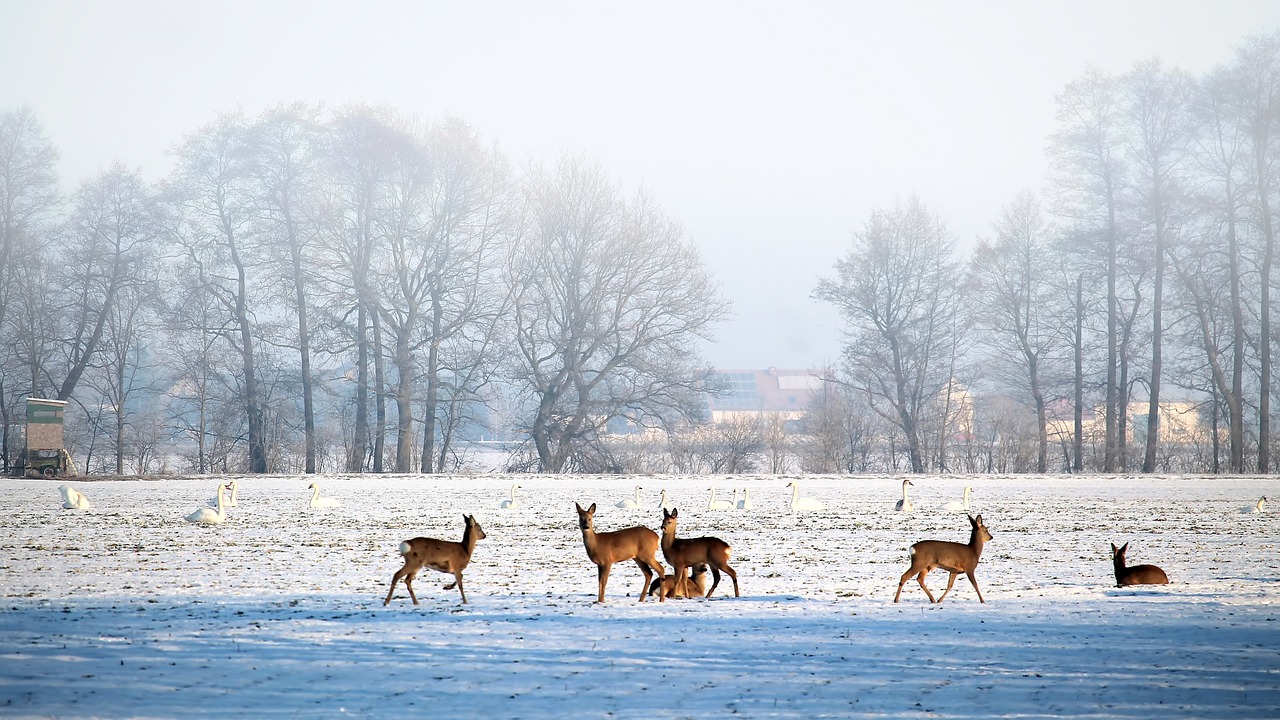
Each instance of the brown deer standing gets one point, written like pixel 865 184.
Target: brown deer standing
pixel 693 584
pixel 951 556
pixel 443 555
pixel 685 553
pixel 605 549
pixel 1136 575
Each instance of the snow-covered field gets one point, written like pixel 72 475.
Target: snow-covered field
pixel 126 610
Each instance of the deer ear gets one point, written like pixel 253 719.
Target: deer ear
pixel 1114 549
pixel 1124 547
pixel 592 508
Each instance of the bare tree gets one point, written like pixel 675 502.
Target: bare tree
pixel 1256 76
pixel 212 189
pixel 1159 110
pixel 1088 183
pixel 288 145
pixel 1015 302
pixel 839 432
pixel 109 237
pixel 609 299
pixel 897 289
pixel 443 215
pixel 29 198
pixel 1220 156
pixel 357 170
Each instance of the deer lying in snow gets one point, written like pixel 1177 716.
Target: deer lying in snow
pixel 1137 574
pixel 693 584
pixel 951 556
pixel 443 555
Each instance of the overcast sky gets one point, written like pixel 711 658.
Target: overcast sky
pixel 768 130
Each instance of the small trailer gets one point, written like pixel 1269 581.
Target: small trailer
pixel 45 454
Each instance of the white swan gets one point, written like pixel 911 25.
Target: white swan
pixel 664 503
pixel 222 489
pixel 803 503
pixel 319 502
pixel 631 503
pixel 1258 507
pixel 205 516
pixel 904 505
pixel 956 505
pixel 745 502
pixel 511 503
pixel 73 499
pixel 234 487
pixel 714 504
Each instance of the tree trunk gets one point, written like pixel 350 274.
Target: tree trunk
pixel 360 435
pixel 1112 444
pixel 404 403
pixel 433 388
pixel 1157 336
pixel 120 419
pixel 379 395
pixel 1235 421
pixel 1078 462
pixel 1264 320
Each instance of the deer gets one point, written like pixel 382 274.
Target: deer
pixel 1136 574
pixel 443 555
pixel 605 549
pixel 693 584
pixel 681 554
pixel 951 556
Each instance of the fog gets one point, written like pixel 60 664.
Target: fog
pixel 768 131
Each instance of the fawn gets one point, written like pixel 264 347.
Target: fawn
pixel 693 584
pixel 443 555
pixel 951 556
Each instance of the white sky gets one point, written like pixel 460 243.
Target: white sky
pixel 769 131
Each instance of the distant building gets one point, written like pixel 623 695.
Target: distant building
pixel 1179 421
pixel 761 392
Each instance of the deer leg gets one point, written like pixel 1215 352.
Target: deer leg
pixel 408 585
pixel 715 580
pixel 603 575
pixel 974 583
pixel 659 571
pixel 734 576
pixel 648 577
pixel 679 585
pixel 391 591
pixel 903 581
pixel 920 579
pixel 458 582
pixel 950 581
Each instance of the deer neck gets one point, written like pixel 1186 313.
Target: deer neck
pixel 976 542
pixel 668 539
pixel 589 542
pixel 469 540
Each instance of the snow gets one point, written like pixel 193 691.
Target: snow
pixel 126 610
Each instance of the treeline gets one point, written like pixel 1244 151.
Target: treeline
pixel 348 291
pixel 356 291
pixel 1140 278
